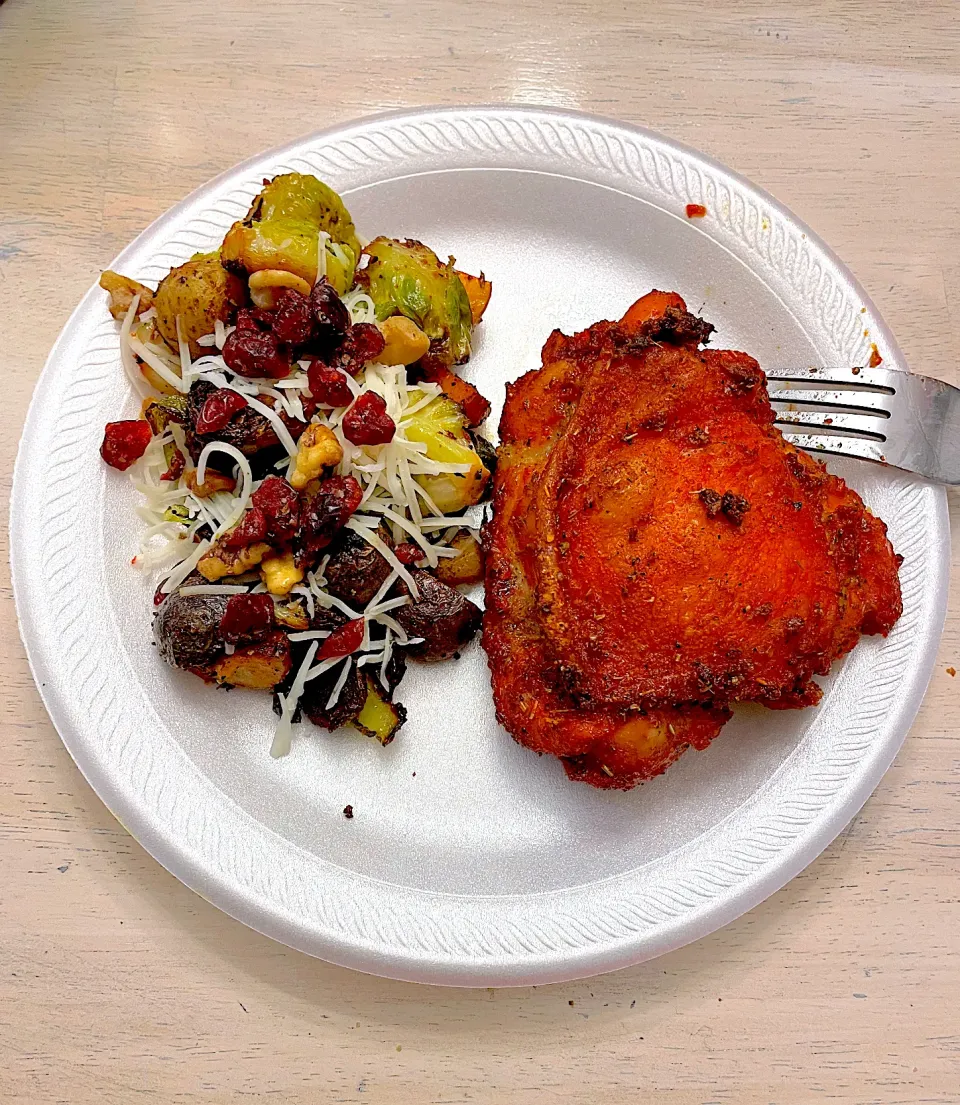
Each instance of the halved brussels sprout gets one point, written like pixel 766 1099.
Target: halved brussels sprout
pixel 441 426
pixel 282 231
pixel 408 278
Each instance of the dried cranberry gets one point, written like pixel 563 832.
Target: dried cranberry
pixel 367 421
pixel 292 318
pixel 342 641
pixel 280 505
pixel 327 511
pixel 217 410
pixel 329 385
pixel 363 343
pixel 177 464
pixel 159 595
pixel 332 319
pixel 125 442
pixel 251 529
pixel 256 353
pixel 408 553
pixel 246 618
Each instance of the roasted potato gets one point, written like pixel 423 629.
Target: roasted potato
pixel 199 292
pixel 352 698
pixel 355 570
pixel 259 667
pixel 444 618
pixel 187 631
pixel 467 566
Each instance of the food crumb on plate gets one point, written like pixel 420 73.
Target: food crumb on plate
pixel 951 672
pixel 348 812
pixel 696 211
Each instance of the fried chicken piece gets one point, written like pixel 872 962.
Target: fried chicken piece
pixel 658 551
pixel 607 748
pixel 684 551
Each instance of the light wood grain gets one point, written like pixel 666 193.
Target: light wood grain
pixel 118 985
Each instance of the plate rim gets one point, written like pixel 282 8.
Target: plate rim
pixel 391 963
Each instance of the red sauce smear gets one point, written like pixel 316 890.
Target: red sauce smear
pixel 875 358
pixel 695 211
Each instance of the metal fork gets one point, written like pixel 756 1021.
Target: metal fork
pixel 878 414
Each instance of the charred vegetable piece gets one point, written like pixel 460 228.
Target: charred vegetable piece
pixel 444 618
pixel 187 631
pixel 356 570
pixel 282 231
pixel 125 442
pixel 161 412
pixel 122 291
pixel 379 718
pixel 441 426
pixel 485 450
pixel 407 278
pixel 248 430
pixel 467 566
pixel 475 407
pixel 292 615
pixel 259 666
pixel 478 293
pixel 316 695
pixel 200 292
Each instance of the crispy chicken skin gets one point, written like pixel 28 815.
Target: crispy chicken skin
pixel 659 552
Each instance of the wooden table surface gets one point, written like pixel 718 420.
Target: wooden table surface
pixel 117 984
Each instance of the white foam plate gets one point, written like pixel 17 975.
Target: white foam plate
pixel 470 860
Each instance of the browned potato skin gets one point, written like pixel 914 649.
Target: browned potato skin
pixel 259 667
pixel 465 568
pixel 442 616
pixel 356 570
pixel 187 631
pixel 200 292
pixel 122 290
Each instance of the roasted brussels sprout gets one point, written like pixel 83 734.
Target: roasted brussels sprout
pixel 444 618
pixel 199 292
pixel 282 231
pixel 248 430
pixel 187 631
pixel 441 426
pixel 379 718
pixel 355 570
pixel 407 278
pixel 161 412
